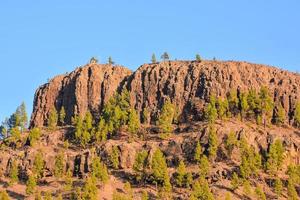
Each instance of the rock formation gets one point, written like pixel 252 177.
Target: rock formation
pixel 188 84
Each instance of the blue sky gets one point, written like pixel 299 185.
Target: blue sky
pixel 40 39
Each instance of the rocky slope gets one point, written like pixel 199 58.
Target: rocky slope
pixel 187 83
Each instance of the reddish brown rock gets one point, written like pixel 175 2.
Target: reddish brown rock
pixel 187 83
pixel 86 88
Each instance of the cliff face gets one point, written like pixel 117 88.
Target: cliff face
pixel 187 84
pixel 86 88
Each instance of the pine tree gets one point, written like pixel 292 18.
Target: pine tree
pixel 260 193
pixel 266 105
pixel 133 122
pixel 146 116
pixel 227 196
pixel 93 60
pixel 278 187
pixel 204 166
pixel 145 195
pixel 165 56
pixel 38 165
pixel 198 58
pixel 291 191
pixel 99 170
pixel 222 108
pixel 59 197
pixel 233 102
pixel 181 173
pixel 211 112
pixel 253 102
pixel 165 191
pixel 59 165
pixel 110 61
pixel 34 136
pixel 102 131
pixel 243 105
pixel 212 143
pixel 114 157
pixel 188 179
pixel 68 180
pixel 48 196
pixel 23 116
pixel 15 135
pixel 62 116
pixel 4 195
pixel 235 181
pixel 280 115
pixel 30 184
pixel 158 166
pixel 13 173
pixel 166 117
pixel 198 152
pixel 153 58
pixel 297 115
pixel 247 188
pixel 52 119
pixel 201 190
pixel 90 189
pixel 140 164
pixel 38 196
pixel 275 156
pixel 230 143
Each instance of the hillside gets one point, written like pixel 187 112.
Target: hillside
pixel 169 130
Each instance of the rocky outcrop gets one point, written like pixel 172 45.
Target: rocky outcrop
pixel 86 88
pixel 187 84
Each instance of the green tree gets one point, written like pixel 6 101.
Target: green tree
pixel 247 188
pixel 59 165
pixel 278 187
pixel 275 157
pixel 114 157
pixel 38 165
pixel 233 102
pixel 140 164
pixel 165 190
pixel 266 105
pixel 297 115
pixel 13 173
pixel 145 195
pixel 48 196
pixel 291 191
pixel 52 119
pixel 251 162
pixel 227 196
pixel 153 58
pixel 146 116
pixel 198 152
pixel 165 56
pixel 110 61
pixel 102 131
pixel 212 143
pixel 260 193
pixel 68 180
pixel 133 121
pixel 188 179
pixel 158 166
pixel 253 103
pixel 23 116
pixel 204 166
pixel 34 136
pixel 15 135
pixel 230 142
pixel 211 112
pixel 180 174
pixel 201 190
pixel 222 108
pixel 62 116
pixel 59 197
pixel 198 58
pixel 78 123
pixel 244 107
pixel 90 190
pixel 99 170
pixel 235 181
pixel 93 60
pixel 30 185
pixel 4 195
pixel 166 117
pixel 280 115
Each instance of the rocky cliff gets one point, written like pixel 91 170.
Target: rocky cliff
pixel 187 84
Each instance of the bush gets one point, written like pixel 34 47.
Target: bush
pixel 30 184
pixel 99 170
pixel 59 165
pixel 38 165
pixel 114 157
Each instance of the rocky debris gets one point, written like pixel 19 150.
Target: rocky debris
pixel 188 84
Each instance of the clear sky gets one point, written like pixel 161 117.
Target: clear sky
pixel 40 39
